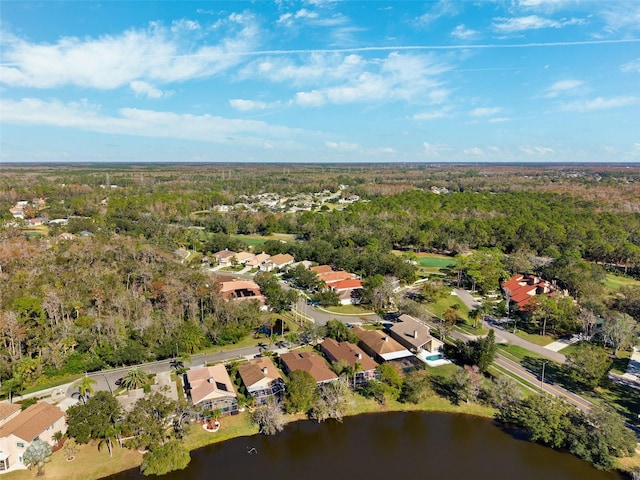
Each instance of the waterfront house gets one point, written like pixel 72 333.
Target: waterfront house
pixel 415 335
pixel 363 366
pixel 380 345
pixel 39 421
pixel 211 388
pixel 309 362
pixel 262 379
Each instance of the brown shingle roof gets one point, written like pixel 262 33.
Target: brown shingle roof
pixel 410 332
pixel 32 422
pixel 378 341
pixel 254 371
pixel 348 352
pixel 281 259
pixel 209 382
pixel 309 362
pixel 321 269
pixel 8 409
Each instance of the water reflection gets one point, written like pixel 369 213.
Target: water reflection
pixel 383 446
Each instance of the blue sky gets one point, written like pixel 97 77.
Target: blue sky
pixel 320 81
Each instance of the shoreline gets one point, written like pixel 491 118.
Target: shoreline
pixel 91 464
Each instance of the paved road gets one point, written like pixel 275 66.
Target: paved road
pixel 536 379
pixel 466 298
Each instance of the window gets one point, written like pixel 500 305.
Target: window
pixel 20 445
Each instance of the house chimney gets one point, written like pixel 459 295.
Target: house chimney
pixel 385 338
pixel 415 334
pixel 359 356
pixel 264 370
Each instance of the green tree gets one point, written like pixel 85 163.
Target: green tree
pixel 278 299
pixel 85 387
pixel 37 455
pixel 135 378
pixel 301 392
pixel 415 387
pixel 340 332
pixel 588 364
pixel 148 419
pixel 503 393
pixel 165 458
pixel 91 420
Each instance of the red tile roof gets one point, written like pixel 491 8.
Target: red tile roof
pixel 522 288
pixel 345 284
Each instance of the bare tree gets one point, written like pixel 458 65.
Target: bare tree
pixel 619 331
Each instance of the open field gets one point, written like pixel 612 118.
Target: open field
pixel 615 282
pixel 258 240
pixel 434 260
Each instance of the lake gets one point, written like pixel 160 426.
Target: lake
pixel 413 445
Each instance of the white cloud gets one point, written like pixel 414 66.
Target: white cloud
pixel 464 33
pixel 485 111
pixel 443 8
pixel 344 146
pixel 247 105
pixel 599 103
pixel 565 87
pixel 535 150
pixel 475 151
pixel 435 150
pixel 288 18
pixel 184 24
pixel 148 123
pixel 343 79
pixel 141 88
pixel 633 66
pixel 155 55
pixel 530 22
pixel 433 114
pixel 621 16
pixel 313 98
pixel 499 119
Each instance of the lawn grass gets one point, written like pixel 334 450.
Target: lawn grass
pixel 450 301
pixel 259 240
pixel 348 310
pixel 614 282
pixel 516 353
pixel 434 260
pixel 535 338
pixel 88 463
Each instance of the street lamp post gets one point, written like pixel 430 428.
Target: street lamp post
pixel 542 377
pixel 108 384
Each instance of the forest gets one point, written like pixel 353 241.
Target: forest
pixel 115 292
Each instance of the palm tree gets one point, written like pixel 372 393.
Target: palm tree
pixel 109 435
pixel 135 378
pixel 85 387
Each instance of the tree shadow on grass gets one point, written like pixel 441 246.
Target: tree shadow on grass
pixel 443 387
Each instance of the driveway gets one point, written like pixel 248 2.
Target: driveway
pixel 466 298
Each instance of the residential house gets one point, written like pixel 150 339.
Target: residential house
pixel 415 335
pixel 244 257
pixel 309 362
pixel 345 289
pixel 262 379
pixel 321 269
pixel 363 366
pixel 257 260
pixel 329 277
pixel 241 290
pixel 211 388
pixel 521 288
pixel 39 421
pixel 380 345
pixel 278 261
pixel 225 257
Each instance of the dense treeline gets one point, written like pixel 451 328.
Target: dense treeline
pixel 73 306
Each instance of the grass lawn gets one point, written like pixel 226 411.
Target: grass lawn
pixel 88 463
pixel 534 338
pixel 614 282
pixel 434 260
pixel 348 310
pixel 516 353
pixel 259 240
pixel 471 330
pixel 449 301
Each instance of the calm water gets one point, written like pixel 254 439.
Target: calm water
pixel 384 446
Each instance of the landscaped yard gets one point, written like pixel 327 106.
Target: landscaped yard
pixel 450 301
pixel 534 338
pixel 349 310
pixel 434 260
